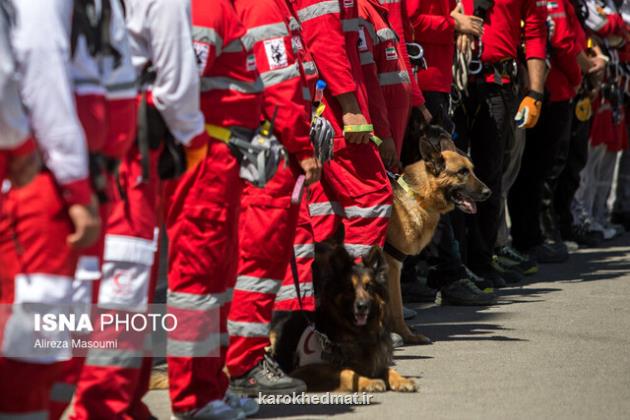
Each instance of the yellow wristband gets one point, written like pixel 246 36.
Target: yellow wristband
pixel 359 128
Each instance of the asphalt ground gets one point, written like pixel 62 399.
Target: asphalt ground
pixel 557 347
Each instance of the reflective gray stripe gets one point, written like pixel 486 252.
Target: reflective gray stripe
pixel 234 46
pixel 62 392
pixel 357 250
pixel 225 339
pixel 309 67
pixel 366 58
pixel 388 1
pixel 273 77
pixel 317 10
pixel 350 25
pixel 288 292
pixel 294 25
pixel 115 87
pixel 393 78
pixel 386 34
pixel 325 208
pixel 383 210
pixel 306 93
pixel 197 302
pixel 557 15
pixel 247 329
pixel 131 359
pixel 262 32
pixel 33 415
pixel 304 250
pixel 208 347
pixel 208 36
pixel 227 83
pixel 83 82
pixel 257 284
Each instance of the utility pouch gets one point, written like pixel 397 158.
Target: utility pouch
pixel 322 137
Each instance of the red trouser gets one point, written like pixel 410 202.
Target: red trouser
pixel 202 226
pixel 266 228
pixel 354 190
pixel 112 383
pixel 37 266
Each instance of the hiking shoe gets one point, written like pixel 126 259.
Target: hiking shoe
pixel 585 236
pixel 397 340
pixel 509 275
pixel 482 284
pixel 249 406
pixel 266 378
pixel 511 258
pixel 417 291
pixel 464 292
pixel 550 253
pixel 409 313
pixel 214 410
pixel 493 277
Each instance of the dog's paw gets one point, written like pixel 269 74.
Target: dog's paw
pixel 416 339
pixel 404 385
pixel 372 385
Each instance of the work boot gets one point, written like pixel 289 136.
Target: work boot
pixel 511 258
pixel 482 284
pixel 268 379
pixel 549 252
pixel 584 236
pixel 492 276
pixel 417 292
pixel 509 275
pixel 463 292
pixel 214 410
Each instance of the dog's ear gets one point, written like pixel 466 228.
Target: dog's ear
pixel 375 260
pixel 433 142
pixel 340 260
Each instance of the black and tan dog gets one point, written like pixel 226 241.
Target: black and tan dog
pixel 345 345
pixel 443 180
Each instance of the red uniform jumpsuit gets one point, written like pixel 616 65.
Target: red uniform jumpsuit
pixel 203 212
pixel 354 189
pixel 37 264
pixel 267 215
pixel 386 77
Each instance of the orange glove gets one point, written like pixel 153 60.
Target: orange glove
pixel 529 110
pixel 196 150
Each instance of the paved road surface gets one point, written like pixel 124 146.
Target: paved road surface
pixel 555 348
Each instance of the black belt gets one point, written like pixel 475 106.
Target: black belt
pixel 501 69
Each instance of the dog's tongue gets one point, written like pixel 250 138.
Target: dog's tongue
pixel 468 206
pixel 360 319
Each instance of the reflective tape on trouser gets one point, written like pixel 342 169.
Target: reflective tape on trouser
pixel 34 415
pixel 366 58
pixel 334 208
pixel 208 36
pixel 130 359
pixel 207 347
pixel 228 83
pixel 288 292
pixel 192 301
pixel 393 78
pixel 350 25
pixel 273 77
pixel 62 392
pixel 317 10
pixel 262 32
pixel 257 284
pixel 304 250
pixel 247 329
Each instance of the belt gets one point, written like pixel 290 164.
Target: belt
pixel 503 68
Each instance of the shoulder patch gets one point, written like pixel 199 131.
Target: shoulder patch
pixel 391 54
pixel 250 65
pixel 362 41
pixel 276 53
pixel 202 51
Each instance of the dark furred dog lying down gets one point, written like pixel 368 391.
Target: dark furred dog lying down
pixel 349 349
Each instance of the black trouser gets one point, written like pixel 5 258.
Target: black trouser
pixel 442 254
pixel 545 149
pixel 483 126
pixel 569 179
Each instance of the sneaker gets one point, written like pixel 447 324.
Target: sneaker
pixel 509 275
pixel 249 406
pixel 607 231
pixel 511 258
pixel 397 340
pixel 417 291
pixel 585 236
pixel 464 292
pixel 214 410
pixel 409 313
pixel 493 277
pixel 550 253
pixel 266 378
pixel 482 284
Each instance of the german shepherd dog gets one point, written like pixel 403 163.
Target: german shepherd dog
pixel 345 345
pixel 439 183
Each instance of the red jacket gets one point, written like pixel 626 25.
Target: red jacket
pixel 330 30
pixel 276 47
pixel 434 29
pixel 566 43
pixel 502 29
pixel 399 21
pixel 231 89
